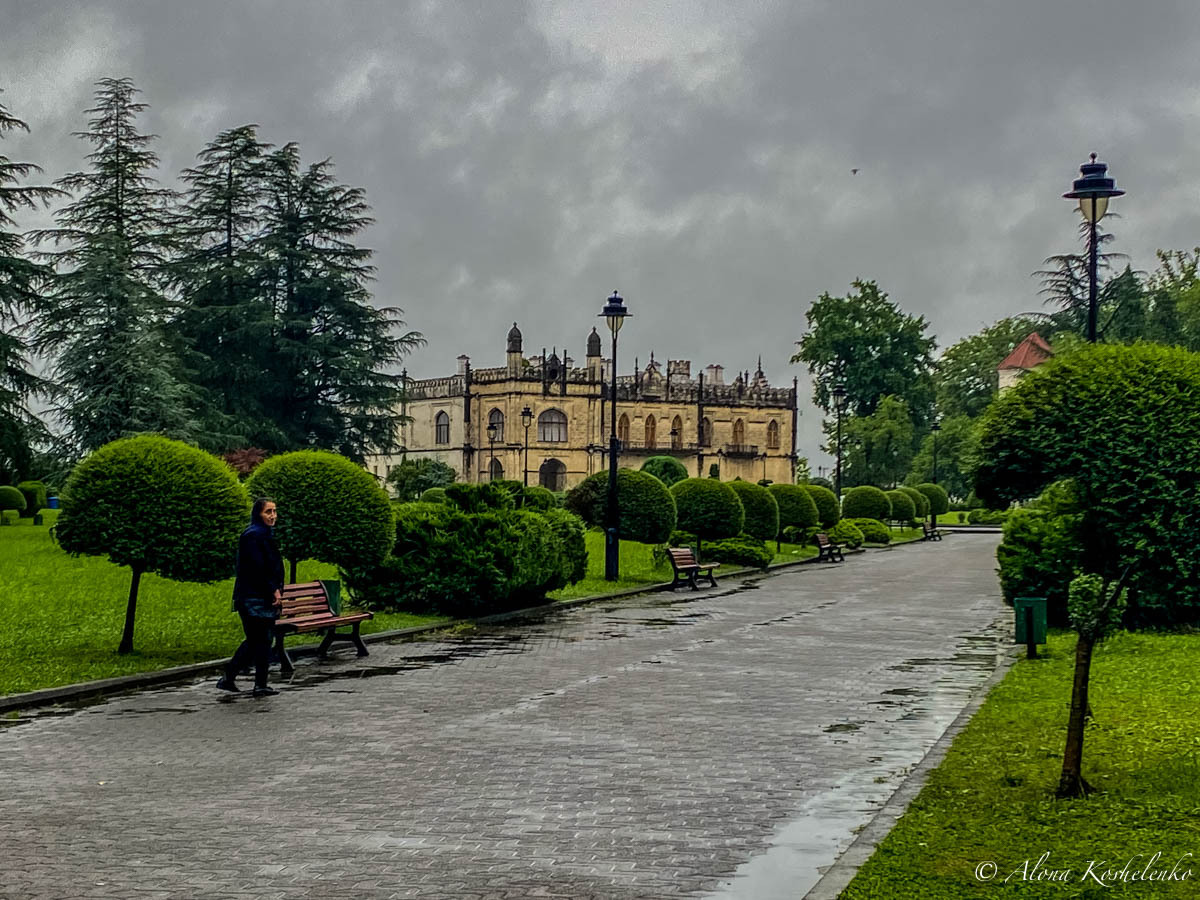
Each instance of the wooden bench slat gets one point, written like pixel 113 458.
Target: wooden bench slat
pixel 305 607
pixel 686 568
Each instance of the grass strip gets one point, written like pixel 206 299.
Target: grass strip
pixel 983 821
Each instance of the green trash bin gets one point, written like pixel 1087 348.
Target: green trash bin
pixel 1038 605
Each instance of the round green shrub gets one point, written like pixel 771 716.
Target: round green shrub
pixel 743 550
pixel 666 469
pixel 866 502
pixel 920 501
pixel 646 507
pixel 479 497
pixel 939 502
pixel 434 495
pixel 329 508
pixel 826 501
pixel 847 533
pixel 35 498
pixel 538 498
pixel 903 508
pixel 873 531
pixel 11 498
pixel 797 508
pixel 761 508
pixel 155 505
pixel 708 508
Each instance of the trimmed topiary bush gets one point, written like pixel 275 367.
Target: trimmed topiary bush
pixel 873 531
pixel 866 502
pixel 826 502
pixel 646 507
pixel 708 508
pixel 474 498
pixel 939 502
pixel 666 469
pixel 434 495
pixel 920 501
pixel 10 498
pixel 743 550
pixel 155 505
pixel 761 508
pixel 903 508
pixel 847 533
pixel 797 509
pixel 568 528
pixel 538 498
pixel 34 493
pixel 329 509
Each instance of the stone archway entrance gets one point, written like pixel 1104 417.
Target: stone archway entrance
pixel 553 475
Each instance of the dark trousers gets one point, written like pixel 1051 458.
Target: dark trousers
pixel 256 648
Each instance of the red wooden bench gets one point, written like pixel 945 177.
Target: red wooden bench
pixel 306 608
pixel 686 567
pixel 827 549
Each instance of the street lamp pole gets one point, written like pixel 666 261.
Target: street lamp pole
pixel 526 420
pixel 491 433
pixel 934 428
pixel 615 314
pixel 1093 190
pixel 839 401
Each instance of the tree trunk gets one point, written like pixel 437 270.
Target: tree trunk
pixel 126 645
pixel 1072 784
pixel 293 568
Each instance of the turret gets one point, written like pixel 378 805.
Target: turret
pixel 595 362
pixel 514 351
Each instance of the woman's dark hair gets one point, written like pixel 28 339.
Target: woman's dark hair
pixel 256 510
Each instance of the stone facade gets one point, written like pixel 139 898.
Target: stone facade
pixel 747 427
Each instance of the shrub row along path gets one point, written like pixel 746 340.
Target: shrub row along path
pixel 722 743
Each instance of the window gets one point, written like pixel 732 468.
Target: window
pixel 739 433
pixel 772 435
pixel 552 426
pixel 552 475
pixel 677 434
pixel 495 417
pixel 496 470
pixel 651 428
pixel 623 429
pixel 441 428
pixel 706 432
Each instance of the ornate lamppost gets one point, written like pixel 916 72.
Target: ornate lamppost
pixel 491 433
pixel 934 429
pixel 1092 190
pixel 526 420
pixel 839 403
pixel 614 313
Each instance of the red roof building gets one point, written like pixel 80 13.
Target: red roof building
pixel 1028 355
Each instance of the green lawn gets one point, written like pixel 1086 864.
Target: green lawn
pixel 61 616
pixel 992 798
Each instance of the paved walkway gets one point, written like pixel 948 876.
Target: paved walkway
pixel 721 743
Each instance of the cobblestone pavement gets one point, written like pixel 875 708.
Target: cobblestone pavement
pixel 660 746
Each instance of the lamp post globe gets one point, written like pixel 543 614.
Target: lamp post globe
pixel 615 314
pixel 526 420
pixel 1093 189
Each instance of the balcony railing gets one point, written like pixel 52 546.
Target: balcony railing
pixel 744 450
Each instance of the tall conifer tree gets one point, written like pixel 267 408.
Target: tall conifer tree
pixel 104 318
pixel 21 281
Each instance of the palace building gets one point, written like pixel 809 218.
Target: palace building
pixel 544 420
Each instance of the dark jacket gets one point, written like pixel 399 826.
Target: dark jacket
pixel 259 571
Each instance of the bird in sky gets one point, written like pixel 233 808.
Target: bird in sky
pixel 854 171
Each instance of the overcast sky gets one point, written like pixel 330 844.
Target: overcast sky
pixel 525 159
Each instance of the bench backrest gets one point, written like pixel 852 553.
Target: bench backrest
pixel 306 599
pixel 682 556
pixel 822 539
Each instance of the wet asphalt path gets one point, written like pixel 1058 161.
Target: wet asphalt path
pixel 722 743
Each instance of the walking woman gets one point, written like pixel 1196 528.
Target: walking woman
pixel 256 597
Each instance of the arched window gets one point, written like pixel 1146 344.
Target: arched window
pixel 677 434
pixel 739 432
pixel 772 435
pixel 706 432
pixel 552 475
pixel 441 428
pixel 651 428
pixel 623 429
pixel 552 426
pixel 496 470
pixel 495 417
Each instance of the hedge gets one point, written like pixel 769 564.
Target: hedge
pixel 866 502
pixel 666 469
pixel 903 507
pixel 761 508
pixel 11 498
pixel 797 507
pixel 743 550
pixel 873 531
pixel 708 508
pixel 35 497
pixel 826 502
pixel 846 532
pixel 646 507
pixel 939 501
pixel 920 501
